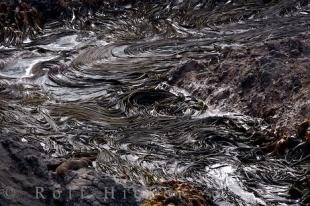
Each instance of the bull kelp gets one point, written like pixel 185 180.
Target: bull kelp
pixel 166 103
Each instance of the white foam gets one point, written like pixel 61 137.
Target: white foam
pixel 63 43
pixel 22 68
pixel 225 178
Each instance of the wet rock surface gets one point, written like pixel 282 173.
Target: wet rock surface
pixel 27 180
pixel 273 88
pixel 22 169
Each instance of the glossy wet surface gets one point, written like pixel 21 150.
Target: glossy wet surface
pixel 107 88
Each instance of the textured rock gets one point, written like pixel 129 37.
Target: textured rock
pixel 275 89
pixel 25 179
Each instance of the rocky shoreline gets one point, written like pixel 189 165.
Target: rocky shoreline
pixel 263 72
pixel 27 178
pixel 270 81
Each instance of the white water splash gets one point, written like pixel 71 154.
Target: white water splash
pixel 225 178
pixel 22 68
pixel 63 44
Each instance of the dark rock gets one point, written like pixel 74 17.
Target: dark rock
pixel 265 79
pixel 21 168
pixel 87 187
pixel 295 47
pixel 270 71
pixel 271 47
pixel 180 72
pixel 248 81
pixel 24 177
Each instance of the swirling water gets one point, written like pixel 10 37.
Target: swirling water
pixel 106 88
